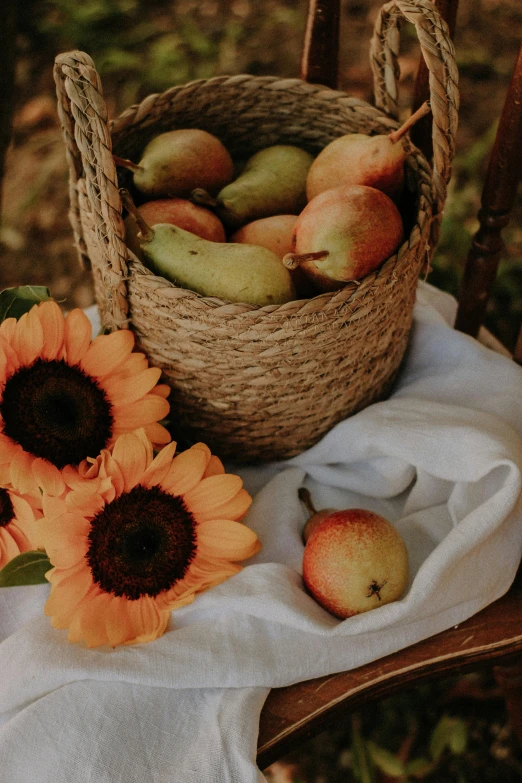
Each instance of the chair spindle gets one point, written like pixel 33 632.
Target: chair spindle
pixel 320 58
pixel 498 196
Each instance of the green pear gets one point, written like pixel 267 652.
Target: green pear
pixel 273 182
pixel 234 272
pixel 180 212
pixel 176 162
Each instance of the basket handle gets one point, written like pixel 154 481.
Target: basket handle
pixel 84 120
pixel 439 54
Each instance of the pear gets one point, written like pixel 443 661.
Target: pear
pixel 316 517
pixel 237 273
pixel 176 162
pixel 274 232
pixel 273 182
pixel 358 159
pixel 180 212
pixel 344 234
pixel 354 561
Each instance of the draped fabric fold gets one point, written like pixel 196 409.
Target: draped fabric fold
pixel 441 459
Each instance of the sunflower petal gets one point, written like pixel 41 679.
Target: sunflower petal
pixel 150 408
pixel 25 521
pixel 9 548
pixel 77 335
pixel 20 470
pixel 186 471
pixel 147 620
pixel 66 595
pixel 53 507
pixel 106 352
pixel 214 468
pixel 235 508
pixel 3 363
pixel 127 390
pixel 48 477
pixel 158 631
pixel 88 623
pixel 228 540
pixel 168 600
pixel 133 453
pixel 162 390
pixel 117 621
pixel 213 492
pixel 53 324
pixel 157 434
pixel 159 466
pixel 21 539
pixel 87 504
pixel 28 338
pixel 65 540
pixel 7 328
pixel 133 364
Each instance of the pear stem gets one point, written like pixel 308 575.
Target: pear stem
pixel 293 260
pixel 304 495
pixel 200 197
pixel 397 135
pixel 144 229
pixel 126 163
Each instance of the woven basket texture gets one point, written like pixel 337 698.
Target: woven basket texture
pixel 261 383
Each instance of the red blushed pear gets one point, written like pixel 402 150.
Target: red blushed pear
pixel 178 212
pixel 276 234
pixel 358 159
pixel 344 234
pixel 354 561
pixel 316 517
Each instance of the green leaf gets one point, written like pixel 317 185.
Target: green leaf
pixel 362 763
pixel 448 733
pixel 386 761
pixel 14 302
pixel 29 568
pixel 459 738
pixel 419 768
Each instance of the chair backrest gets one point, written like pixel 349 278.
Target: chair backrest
pixel 320 65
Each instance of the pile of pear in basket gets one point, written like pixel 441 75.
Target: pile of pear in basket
pixel 271 238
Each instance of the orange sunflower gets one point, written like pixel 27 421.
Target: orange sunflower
pixel 140 537
pixel 17 525
pixel 65 397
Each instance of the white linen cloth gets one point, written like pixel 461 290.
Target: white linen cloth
pixel 441 459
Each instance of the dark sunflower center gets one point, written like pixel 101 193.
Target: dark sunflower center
pixel 56 411
pixel 141 543
pixel 6 508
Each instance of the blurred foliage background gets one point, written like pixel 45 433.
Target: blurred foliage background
pixel 145 46
pixel 454 731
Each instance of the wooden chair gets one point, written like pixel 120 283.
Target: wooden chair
pixel 492 637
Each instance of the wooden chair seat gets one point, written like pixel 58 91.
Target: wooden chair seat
pixel 298 712
pixel 493 636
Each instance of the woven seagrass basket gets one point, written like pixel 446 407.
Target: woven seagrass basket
pixel 261 383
